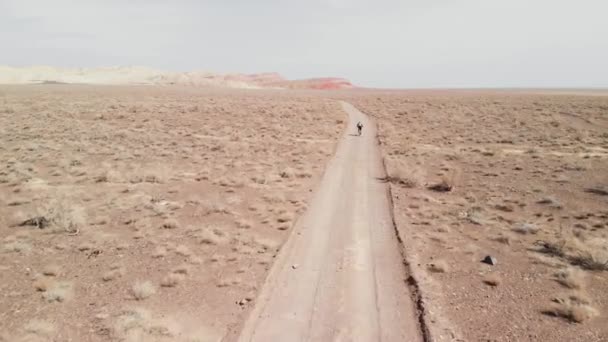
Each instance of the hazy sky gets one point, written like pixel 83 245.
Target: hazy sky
pixel 383 43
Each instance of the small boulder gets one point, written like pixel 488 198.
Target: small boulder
pixel 490 260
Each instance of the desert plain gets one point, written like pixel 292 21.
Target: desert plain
pixel 156 212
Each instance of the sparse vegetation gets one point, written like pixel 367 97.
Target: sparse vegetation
pixel 172 279
pixel 570 278
pixel 143 290
pixel 574 307
pixel 519 197
pixel 438 266
pixel 492 279
pixel 60 291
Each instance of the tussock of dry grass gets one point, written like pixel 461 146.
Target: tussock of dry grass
pixel 170 224
pixel 525 228
pixel 492 279
pixel 397 175
pixel 51 270
pixel 42 284
pixel 181 269
pixel 570 250
pixel 590 261
pixel 171 279
pixel 183 250
pixel 571 278
pixel 59 292
pixel 439 266
pixel 142 290
pixel 285 217
pixel 18 247
pixel 39 328
pixel 210 238
pixel 159 252
pixel 64 215
pixel 85 246
pixel 195 260
pixel 575 308
pixel 116 271
pixel 443 186
pixel 244 224
pixel 506 240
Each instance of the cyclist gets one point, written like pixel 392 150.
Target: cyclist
pixel 359 127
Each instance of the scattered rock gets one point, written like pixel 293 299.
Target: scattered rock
pixel 294 266
pixel 490 260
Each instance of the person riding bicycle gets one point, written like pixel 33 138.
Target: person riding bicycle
pixel 359 127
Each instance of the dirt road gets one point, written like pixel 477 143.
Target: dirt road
pixel 340 276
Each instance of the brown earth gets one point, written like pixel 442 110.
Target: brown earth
pixel 527 176
pixel 155 213
pixel 162 207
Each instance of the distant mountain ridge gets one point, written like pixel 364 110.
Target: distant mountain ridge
pixel 150 76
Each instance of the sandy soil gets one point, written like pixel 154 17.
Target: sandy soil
pixel 340 275
pixel 156 213
pixel 522 178
pixel 160 209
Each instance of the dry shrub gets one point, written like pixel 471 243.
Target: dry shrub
pixel 287 173
pixel 64 216
pixel 58 292
pixel 171 279
pixel 244 224
pixel 109 176
pixel 132 321
pixel 138 325
pixel 575 308
pixel 210 237
pixel 18 246
pixel 590 261
pixel 443 186
pixel 183 250
pixel 525 228
pixel 170 224
pixel 492 279
pixel 439 266
pixel 285 217
pixel 503 239
pixel 159 252
pixel 143 290
pixel 51 270
pixel 396 174
pixel 195 260
pixel 598 190
pixel 216 258
pixel 571 278
pixel 552 248
pixel 113 274
pixel 588 256
pixel 42 284
pixel 182 269
pixel 551 202
pixel 267 244
pixel 85 246
pixel 39 328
